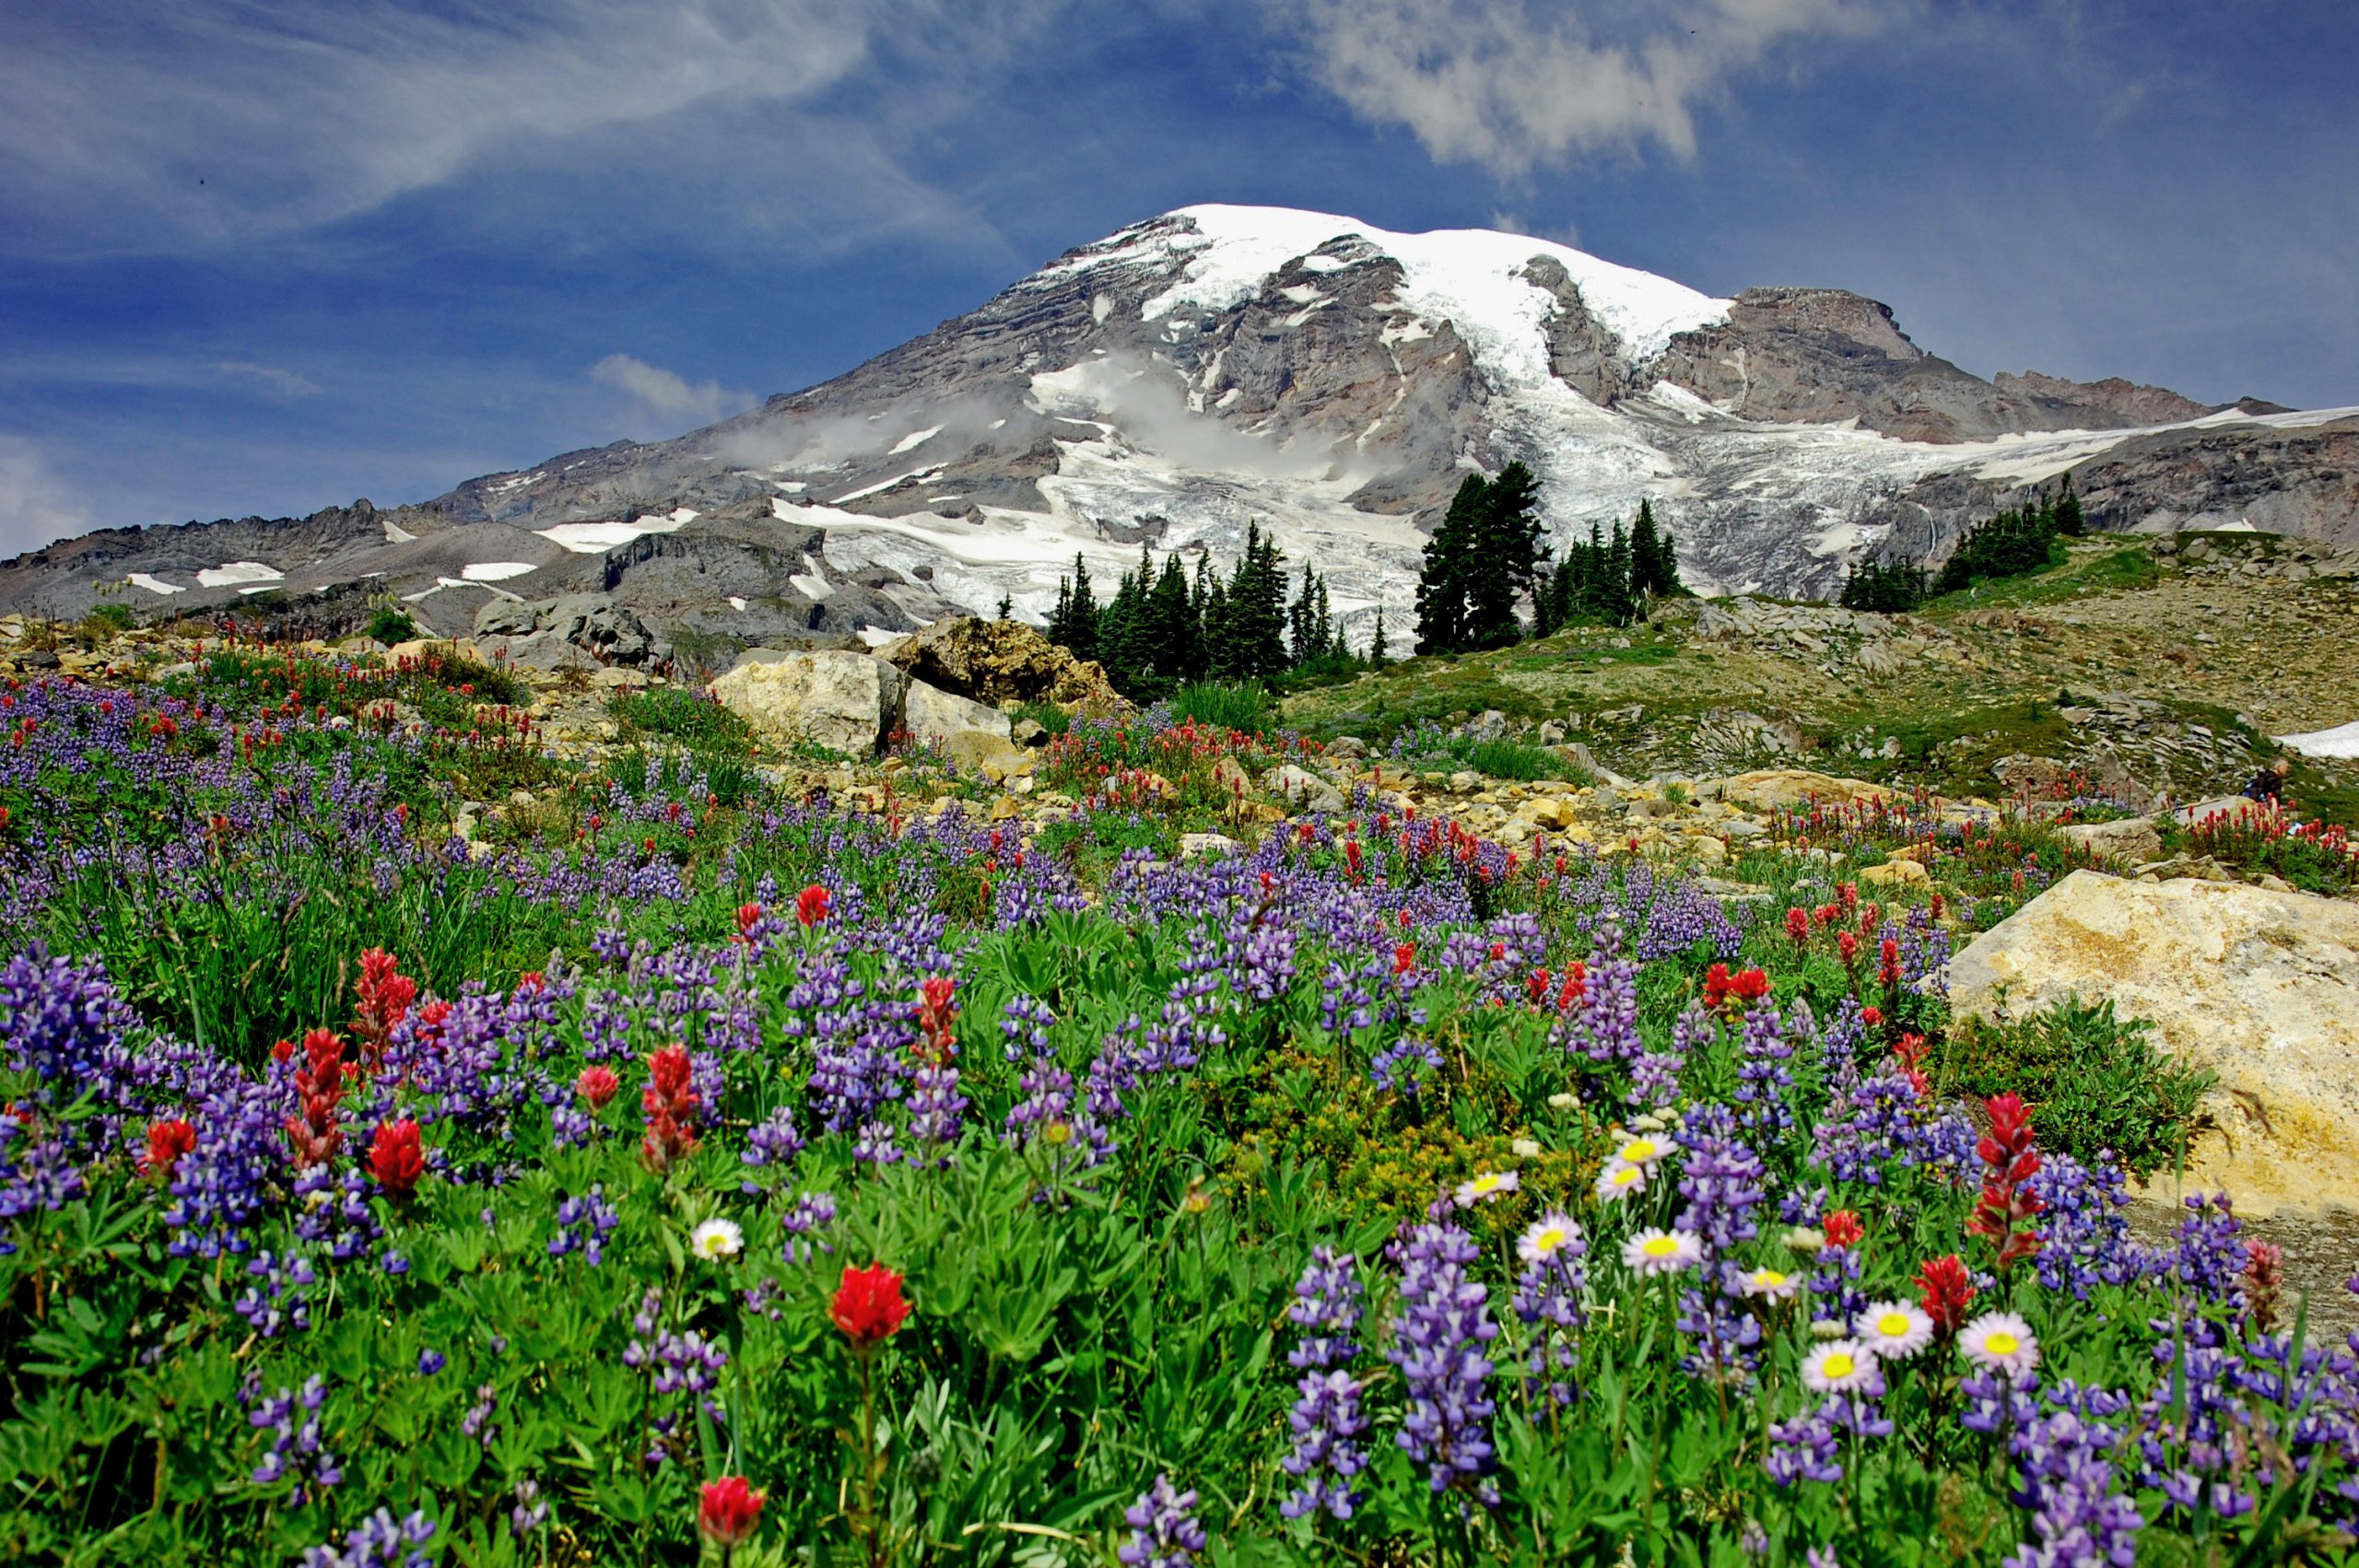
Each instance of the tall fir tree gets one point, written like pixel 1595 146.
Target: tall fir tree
pixel 1442 579
pixel 1379 656
pixel 1504 558
pixel 1073 627
pixel 2068 521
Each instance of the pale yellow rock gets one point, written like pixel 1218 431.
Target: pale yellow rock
pixel 1774 789
pixel 1707 850
pixel 1902 873
pixel 2260 986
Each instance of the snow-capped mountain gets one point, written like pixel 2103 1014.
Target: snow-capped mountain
pixel 1220 364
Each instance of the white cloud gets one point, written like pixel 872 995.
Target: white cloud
pixel 665 391
pixel 211 124
pixel 35 506
pixel 1516 84
pixel 286 384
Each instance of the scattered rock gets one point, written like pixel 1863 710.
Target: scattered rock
pixel 2260 986
pixel 1776 789
pixel 966 732
pixel 847 702
pixel 1895 873
pixel 1197 845
pixel 2131 841
pixel 997 661
pixel 1303 790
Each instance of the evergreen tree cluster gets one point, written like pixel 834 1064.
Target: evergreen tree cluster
pixel 1162 628
pixel 1487 553
pixel 1888 588
pixel 2009 545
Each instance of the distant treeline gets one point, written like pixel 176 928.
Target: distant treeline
pixel 2009 545
pixel 1163 629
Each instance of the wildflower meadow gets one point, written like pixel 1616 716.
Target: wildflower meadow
pixel 711 1171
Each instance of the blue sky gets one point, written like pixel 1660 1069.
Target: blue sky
pixel 259 256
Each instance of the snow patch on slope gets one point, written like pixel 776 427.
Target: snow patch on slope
pixel 235 574
pixel 2342 741
pixel 1469 277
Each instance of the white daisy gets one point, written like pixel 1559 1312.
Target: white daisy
pixel 716 1239
pixel 1644 1151
pixel 2000 1341
pixel 1549 1236
pixel 1838 1367
pixel 1490 1184
pixel 1618 1180
pixel 1772 1284
pixel 1895 1331
pixel 1663 1252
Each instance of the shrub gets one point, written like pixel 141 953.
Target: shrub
pixel 390 626
pixel 2097 1084
pixel 681 713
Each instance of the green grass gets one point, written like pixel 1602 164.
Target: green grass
pixel 2097 1083
pixel 1051 718
pixel 2105 569
pixel 1221 706
pixel 681 714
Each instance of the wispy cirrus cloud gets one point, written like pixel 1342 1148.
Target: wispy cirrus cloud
pixel 1513 85
pixel 211 124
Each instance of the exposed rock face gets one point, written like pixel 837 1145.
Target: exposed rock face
pixel 2260 986
pixel 1217 367
pixel 847 702
pixel 999 662
pixel 1776 789
pixel 964 731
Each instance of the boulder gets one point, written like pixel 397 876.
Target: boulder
pixel 997 661
pixel 2260 986
pixel 2131 841
pixel 1197 845
pixel 1777 788
pixel 1303 790
pixel 847 702
pixel 967 734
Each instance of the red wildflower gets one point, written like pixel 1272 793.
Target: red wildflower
pixel 394 1158
pixel 167 1141
pixel 1871 1016
pixel 384 995
pixel 1721 987
pixel 728 1512
pixel 811 904
pixel 1842 1228
pixel 598 1085
pixel 1404 956
pixel 748 917
pixel 937 1017
pixel 1909 1051
pixel 1945 1290
pixel 868 1305
pixel 2009 1161
pixel 1576 986
pixel 319 1083
pixel 671 1106
pixel 1798 927
pixel 2262 1281
pixel 1351 859
pixel 1888 966
pixel 1849 947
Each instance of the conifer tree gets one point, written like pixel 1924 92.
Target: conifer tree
pixel 1006 607
pixel 1379 656
pixel 1442 581
pixel 1073 627
pixel 1173 642
pixel 2068 521
pixel 1504 558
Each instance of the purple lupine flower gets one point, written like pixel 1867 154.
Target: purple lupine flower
pixel 1328 1425
pixel 1721 1180
pixel 813 1212
pixel 1443 1323
pixel 583 1223
pixel 2077 1516
pixel 280 1298
pixel 1803 1447
pixel 1163 1532
pixel 297 1452
pixel 377 1541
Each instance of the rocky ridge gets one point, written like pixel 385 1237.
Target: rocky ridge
pixel 1216 366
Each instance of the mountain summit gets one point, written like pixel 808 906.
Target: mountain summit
pixel 1220 364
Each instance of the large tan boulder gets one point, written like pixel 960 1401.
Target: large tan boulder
pixel 967 734
pixel 847 702
pixel 997 661
pixel 1777 788
pixel 2260 986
